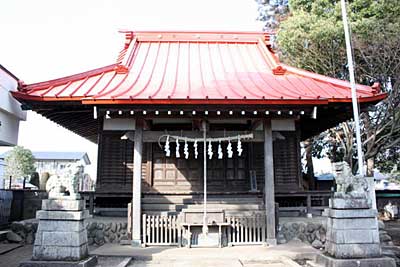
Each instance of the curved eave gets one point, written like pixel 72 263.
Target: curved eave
pixel 26 97
pixel 66 79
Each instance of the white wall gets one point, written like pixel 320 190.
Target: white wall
pixel 10 110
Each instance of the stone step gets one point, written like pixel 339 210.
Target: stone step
pixel 113 261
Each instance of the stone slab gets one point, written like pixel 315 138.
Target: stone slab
pixel 60 253
pixel 324 260
pixel 61 226
pixel 354 213
pixel 5 248
pixel 63 204
pixel 350 223
pixel 89 262
pixel 348 251
pixel 73 239
pixel 349 203
pixel 62 215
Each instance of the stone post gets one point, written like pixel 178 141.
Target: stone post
pixel 352 234
pixel 61 237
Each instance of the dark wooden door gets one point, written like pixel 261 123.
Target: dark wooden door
pixel 186 175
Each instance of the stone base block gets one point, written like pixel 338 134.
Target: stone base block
pixel 352 213
pixel 349 203
pixel 353 223
pixel 348 251
pixel 60 253
pixel 89 262
pixel 61 226
pixel 63 204
pixel 362 236
pixel 73 239
pixel 62 215
pixel 327 261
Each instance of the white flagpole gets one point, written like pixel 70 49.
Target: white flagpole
pixel 353 90
pixel 361 171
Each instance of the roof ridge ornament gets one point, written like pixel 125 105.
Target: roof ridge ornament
pixel 279 70
pixel 126 53
pixel 376 88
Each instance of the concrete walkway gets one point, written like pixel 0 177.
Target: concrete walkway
pixel 13 257
pixel 248 256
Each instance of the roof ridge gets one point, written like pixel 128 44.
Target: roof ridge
pixel 326 79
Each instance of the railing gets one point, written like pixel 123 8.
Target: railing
pixel 160 230
pixel 303 201
pixel 164 230
pixel 246 230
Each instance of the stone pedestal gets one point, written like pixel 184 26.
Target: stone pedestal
pixel 352 235
pixel 61 237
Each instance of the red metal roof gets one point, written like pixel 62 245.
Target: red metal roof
pixel 197 68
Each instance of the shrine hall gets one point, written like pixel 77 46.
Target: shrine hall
pixel 198 133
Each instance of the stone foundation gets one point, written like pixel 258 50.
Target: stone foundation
pixel 310 232
pixel 103 230
pixel 99 230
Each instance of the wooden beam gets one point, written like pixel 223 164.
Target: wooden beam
pixel 153 136
pixel 269 187
pixel 137 182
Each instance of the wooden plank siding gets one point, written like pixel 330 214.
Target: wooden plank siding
pixel 180 175
pixel 115 170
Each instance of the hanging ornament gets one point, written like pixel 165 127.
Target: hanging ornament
pixel 239 147
pixel 220 154
pixel 196 152
pixel 166 147
pixel 186 150
pixel 210 152
pixel 229 150
pixel 177 154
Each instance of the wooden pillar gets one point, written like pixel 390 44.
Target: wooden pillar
pixel 269 190
pixel 137 182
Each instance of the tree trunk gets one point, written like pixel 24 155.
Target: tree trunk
pixel 370 167
pixel 308 146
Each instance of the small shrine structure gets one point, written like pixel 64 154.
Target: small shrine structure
pixel 196 130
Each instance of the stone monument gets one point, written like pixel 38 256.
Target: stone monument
pixel 61 237
pixel 352 228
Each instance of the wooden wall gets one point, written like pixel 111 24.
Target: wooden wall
pixel 178 175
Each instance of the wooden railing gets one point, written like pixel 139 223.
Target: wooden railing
pixel 246 230
pixel 160 230
pixel 164 230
